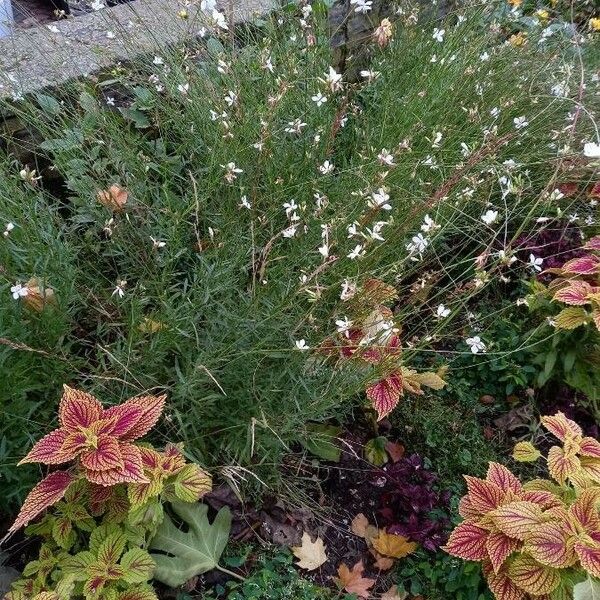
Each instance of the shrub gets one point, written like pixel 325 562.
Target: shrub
pixel 538 538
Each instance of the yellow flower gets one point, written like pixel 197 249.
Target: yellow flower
pixel 515 3
pixel 595 24
pixel 542 14
pixel 519 39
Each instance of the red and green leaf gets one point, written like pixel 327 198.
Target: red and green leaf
pixel 385 394
pixel 589 446
pixel 466 510
pixel 562 465
pixel 191 483
pixel 583 265
pixel 132 471
pixel 144 592
pixel 78 409
pixel 499 475
pixel 49 450
pixel 516 518
pixel 533 577
pixel 151 407
pixel 590 467
pixel 138 566
pixel 468 542
pixel 111 548
pixel 589 556
pixel 560 426
pixel 78 564
pixel 499 547
pixel 46 493
pixel 551 544
pixel 593 243
pixel 484 496
pixel 126 416
pixel 575 294
pixel 107 455
pixel 501 585
pixel 585 509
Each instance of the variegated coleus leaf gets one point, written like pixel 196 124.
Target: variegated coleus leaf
pixel 583 265
pixel 525 452
pixel 560 426
pixel 484 496
pixel 517 518
pixel 593 243
pixel 142 592
pixel 501 585
pixel 502 477
pixel 45 494
pixel 131 472
pixel 588 552
pixel 532 577
pixel 499 547
pixel 575 294
pixel 551 544
pixel 385 394
pixel 468 541
pixel 191 483
pixel 585 509
pixel 562 465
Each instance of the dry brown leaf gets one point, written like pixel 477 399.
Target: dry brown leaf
pixel 394 594
pixel 395 450
pixel 383 563
pixel 38 296
pixel 396 546
pixel 352 580
pixel 360 526
pixel 311 555
pixel 114 198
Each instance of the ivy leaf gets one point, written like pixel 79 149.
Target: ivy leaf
pixel 186 554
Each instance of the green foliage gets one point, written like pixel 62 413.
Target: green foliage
pixel 185 554
pixel 272 578
pixel 321 440
pixel 440 576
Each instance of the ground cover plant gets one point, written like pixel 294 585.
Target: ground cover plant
pixel 351 290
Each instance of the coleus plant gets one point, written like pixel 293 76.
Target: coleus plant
pixel 106 505
pixel 371 338
pixel 540 539
pixel 578 286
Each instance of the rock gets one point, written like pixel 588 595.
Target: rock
pixel 487 399
pixel 8 575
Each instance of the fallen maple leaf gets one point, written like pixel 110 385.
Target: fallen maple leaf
pixel 394 594
pixel 396 546
pixel 311 554
pixel 383 563
pixel 360 526
pixel 352 580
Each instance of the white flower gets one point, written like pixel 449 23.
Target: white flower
pixel 362 6
pixel 343 326
pixel 19 291
pixel 231 171
pixel 370 75
pixel 97 5
pixel 110 35
pixel 348 290
pixel 220 19
pixel 8 229
pixel 333 79
pixel 324 250
pixel 302 345
pixel 357 252
pixel 230 98
pixel 158 61
pixel 208 5
pixel 244 202
pixel 295 126
pixel 438 34
pixel 385 158
pixel 110 101
pixel 290 207
pixel 535 263
pixel 429 224
pixel 319 99
pixel 489 217
pixel 591 150
pixel 183 88
pixel 437 140
pixel 157 244
pixel 119 289
pixel 290 232
pixel 475 344
pixel 520 122
pixel 484 57
pixel 379 199
pixel 418 244
pixel 506 258
pixel 326 168
pixel 442 312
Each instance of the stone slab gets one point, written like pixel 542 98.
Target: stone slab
pixel 44 56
